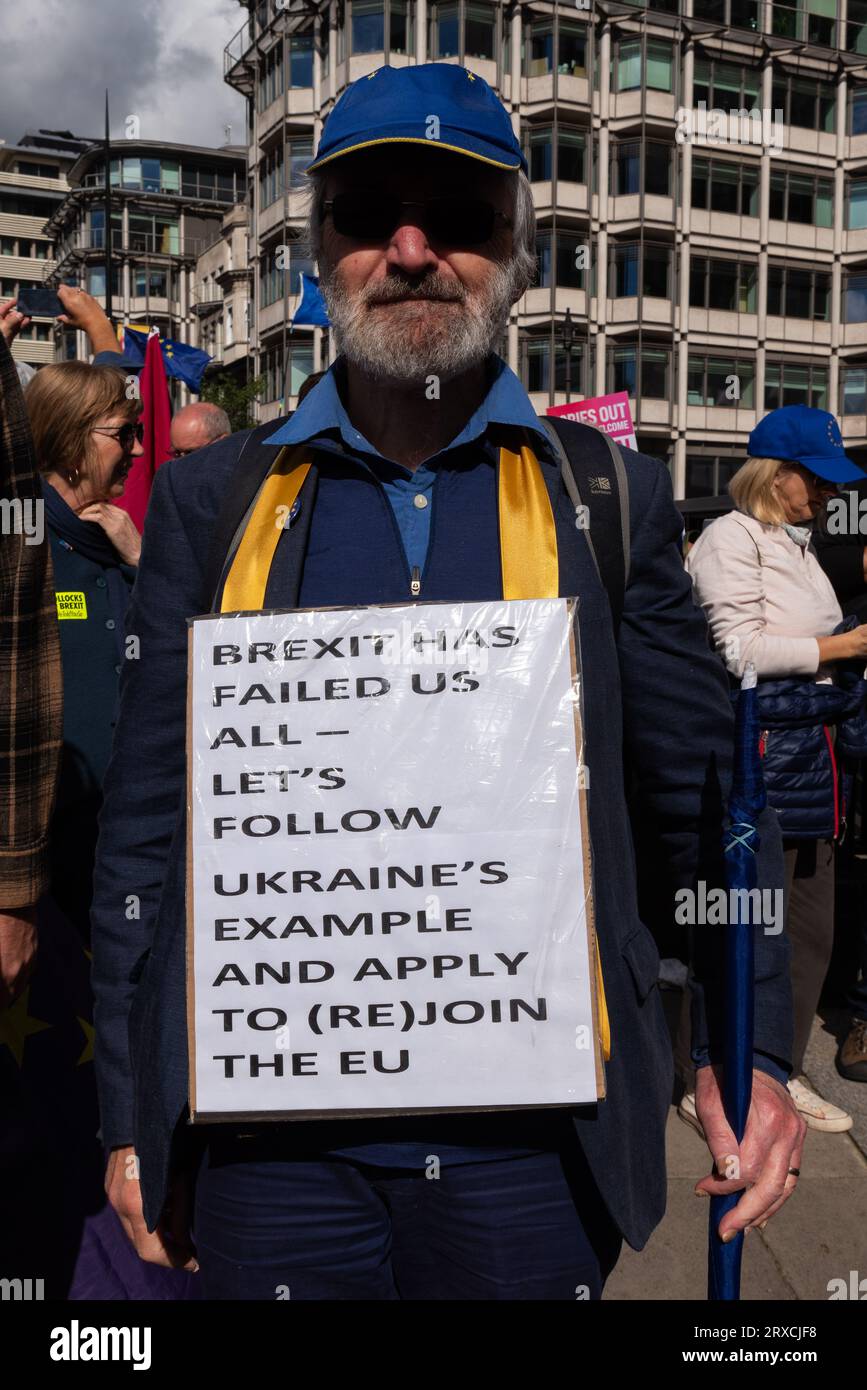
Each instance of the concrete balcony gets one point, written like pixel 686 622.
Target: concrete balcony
pixel 820 144
pixel 717 420
pixel 271 217
pixel 657 105
pixel 651 311
pixel 537 302
pixel 627 208
pixel 539 91
pixel 853 335
pixel 723 323
pixel 799 236
pixel 723 226
pixel 571 197
pixel 791 334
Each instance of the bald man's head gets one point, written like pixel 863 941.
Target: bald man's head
pixel 197 425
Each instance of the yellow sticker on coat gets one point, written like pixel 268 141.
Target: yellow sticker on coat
pixel 71 604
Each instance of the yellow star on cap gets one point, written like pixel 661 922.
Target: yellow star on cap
pixel 16 1025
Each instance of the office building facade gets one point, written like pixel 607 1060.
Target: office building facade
pixel 168 204
pixel 714 266
pixel 33 184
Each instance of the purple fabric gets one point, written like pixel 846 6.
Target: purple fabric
pixel 108 1268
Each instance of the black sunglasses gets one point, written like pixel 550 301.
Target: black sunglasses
pixel 124 434
pixel 454 221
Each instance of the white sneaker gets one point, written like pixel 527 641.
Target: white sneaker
pixel 688 1113
pixel 818 1113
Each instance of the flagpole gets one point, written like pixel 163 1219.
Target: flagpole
pixel 108 263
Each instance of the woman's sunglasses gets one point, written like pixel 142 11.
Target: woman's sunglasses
pixel 454 221
pixel 126 435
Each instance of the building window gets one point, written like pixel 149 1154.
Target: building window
pixel 444 31
pixel 270 84
pixel 735 14
pixel 853 389
pixel 325 45
pixel 811 21
pixel 629 275
pixel 147 283
pixel 271 178
pixel 37 171
pixel 726 86
pixel 300 61
pixel 798 294
pixel 8 246
pixel 720 187
pixel 96 218
pixel 571 49
pixel 789 383
pixel 858 109
pixel 626 175
pixel 150 231
pixel 721 381
pixel 721 284
pixel 811 105
pixel 538 148
pixel 368 26
pixel 300 151
pixel 856 26
pixel 658 67
pixel 855 298
pixel 805 200
pixel 535 365
pixel 400 37
pixel 96 281
pixel 229 335
pixel 640 374
pixel 479 31
pixel 856 209
pixel 566 247
pixel 709 476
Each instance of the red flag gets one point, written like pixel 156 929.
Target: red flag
pixel 156 417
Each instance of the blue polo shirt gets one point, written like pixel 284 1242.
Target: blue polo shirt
pixel 321 421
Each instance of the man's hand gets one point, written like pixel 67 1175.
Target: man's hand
pixel 171 1243
pixel 82 311
pixel 759 1165
pixel 11 322
pixel 17 952
pixel 118 526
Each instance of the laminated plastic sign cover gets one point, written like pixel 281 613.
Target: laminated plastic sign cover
pixel 389 888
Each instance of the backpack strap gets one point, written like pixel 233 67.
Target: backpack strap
pixel 594 476
pixel 253 463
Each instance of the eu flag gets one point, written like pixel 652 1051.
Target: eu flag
pixel 312 307
pixel 180 360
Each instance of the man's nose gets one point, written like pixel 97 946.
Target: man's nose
pixel 137 449
pixel 409 248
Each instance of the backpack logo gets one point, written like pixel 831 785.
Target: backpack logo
pixel 600 485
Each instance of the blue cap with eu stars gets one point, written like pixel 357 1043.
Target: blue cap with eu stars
pixel 435 104
pixel 807 436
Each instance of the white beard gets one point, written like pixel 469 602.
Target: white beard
pixel 407 342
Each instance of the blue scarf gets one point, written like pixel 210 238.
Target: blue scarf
pixel 88 539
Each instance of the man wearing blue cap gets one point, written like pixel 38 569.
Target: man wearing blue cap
pixel 426 474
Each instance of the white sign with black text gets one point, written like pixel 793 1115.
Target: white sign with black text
pixel 388 889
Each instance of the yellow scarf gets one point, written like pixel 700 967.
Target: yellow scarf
pixel 528 553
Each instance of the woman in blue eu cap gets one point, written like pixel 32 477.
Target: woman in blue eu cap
pixel 769 602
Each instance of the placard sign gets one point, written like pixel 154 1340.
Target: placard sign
pixel 610 413
pixel 388 890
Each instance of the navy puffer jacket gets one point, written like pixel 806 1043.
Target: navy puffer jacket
pixel 807 729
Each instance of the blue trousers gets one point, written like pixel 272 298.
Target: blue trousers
pixel 270 1225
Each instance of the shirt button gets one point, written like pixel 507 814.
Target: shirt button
pixel 100 583
pixel 420 500
pixel 117 670
pixel 109 622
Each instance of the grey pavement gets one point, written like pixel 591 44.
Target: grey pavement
pixel 820 1234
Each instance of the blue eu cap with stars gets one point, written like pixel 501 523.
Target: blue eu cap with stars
pixel 806 436
pixel 439 105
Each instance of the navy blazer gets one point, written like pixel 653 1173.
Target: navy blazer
pixel 656 693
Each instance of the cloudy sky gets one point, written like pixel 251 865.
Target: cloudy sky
pixel 161 60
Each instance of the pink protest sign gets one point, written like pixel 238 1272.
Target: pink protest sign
pixel 610 413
